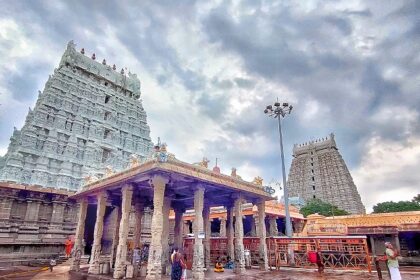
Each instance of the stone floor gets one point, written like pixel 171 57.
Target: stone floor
pixel 61 272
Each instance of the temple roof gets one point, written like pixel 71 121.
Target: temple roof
pixel 183 178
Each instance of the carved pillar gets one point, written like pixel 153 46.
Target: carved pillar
pixel 154 265
pixel 179 228
pixel 186 226
pixel 32 210
pixel 121 256
pixel 273 226
pixel 253 226
pixel 372 245
pixel 230 233
pixel 261 232
pixel 57 215
pixel 80 232
pixel 239 235
pixel 116 213
pixel 5 207
pixel 165 235
pixel 222 227
pixel 207 234
pixel 139 208
pixel 198 259
pixel 256 223
pixel 397 243
pixel 97 234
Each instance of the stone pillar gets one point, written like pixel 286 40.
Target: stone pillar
pixel 57 215
pixel 253 226
pixel 154 265
pixel 273 226
pixel 121 256
pixel 397 243
pixel 222 227
pixel 230 233
pixel 207 234
pixel 261 232
pixel 116 219
pixel 198 259
pixel 179 228
pixel 139 208
pixel 165 235
pixel 256 224
pixel 80 232
pixel 97 234
pixel 32 210
pixel 239 235
pixel 372 245
pixel 5 207
pixel 186 225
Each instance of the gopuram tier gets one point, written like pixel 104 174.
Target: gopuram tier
pixel 88 119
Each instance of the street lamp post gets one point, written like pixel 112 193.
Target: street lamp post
pixel 280 111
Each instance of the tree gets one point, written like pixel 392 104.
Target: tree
pixel 321 207
pixel 416 198
pixel 400 206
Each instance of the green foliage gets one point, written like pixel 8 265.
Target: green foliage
pixel 323 208
pixel 401 206
pixel 416 198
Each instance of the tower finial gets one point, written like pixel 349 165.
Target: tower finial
pixel 104 62
pixel 82 51
pixel 93 56
pixel 114 67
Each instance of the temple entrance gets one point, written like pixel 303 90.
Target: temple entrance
pixel 89 228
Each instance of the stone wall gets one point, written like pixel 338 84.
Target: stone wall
pixel 37 223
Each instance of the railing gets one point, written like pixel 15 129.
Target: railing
pixel 344 252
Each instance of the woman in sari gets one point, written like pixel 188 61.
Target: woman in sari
pixel 177 265
pixel 218 267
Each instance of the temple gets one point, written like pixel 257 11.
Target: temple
pixel 319 171
pixel 88 119
pixel 402 229
pixel 165 183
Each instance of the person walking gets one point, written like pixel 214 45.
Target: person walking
pixel 177 265
pixel 392 261
pixel 52 264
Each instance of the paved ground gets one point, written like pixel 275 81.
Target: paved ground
pixel 61 272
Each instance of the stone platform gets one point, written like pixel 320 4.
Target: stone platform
pixel 284 274
pixel 61 272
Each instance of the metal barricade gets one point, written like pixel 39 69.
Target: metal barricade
pixel 337 252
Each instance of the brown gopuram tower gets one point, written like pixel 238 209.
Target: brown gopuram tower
pixel 319 171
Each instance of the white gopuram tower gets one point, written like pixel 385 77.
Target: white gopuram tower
pixel 319 171
pixel 89 117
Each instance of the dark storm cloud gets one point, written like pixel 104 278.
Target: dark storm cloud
pixel 362 13
pixel 222 84
pixel 212 105
pixel 245 83
pixel 22 83
pixel 324 69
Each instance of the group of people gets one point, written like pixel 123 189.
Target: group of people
pixel 179 267
pixel 220 265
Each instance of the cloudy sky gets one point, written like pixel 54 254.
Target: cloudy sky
pixel 208 69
